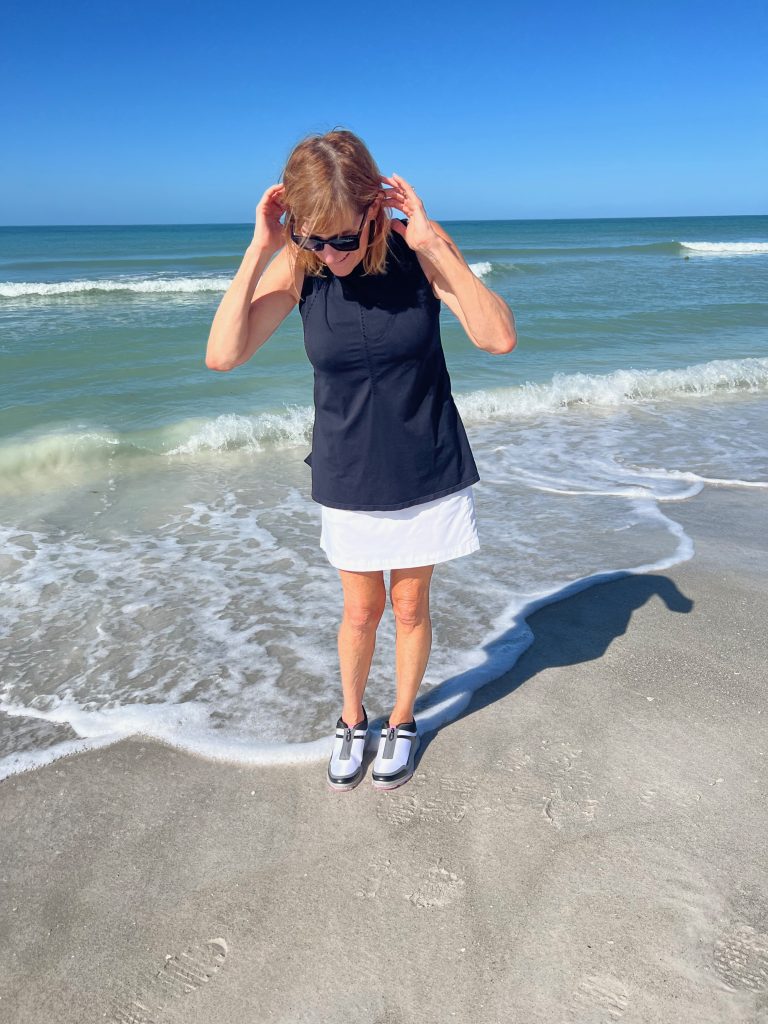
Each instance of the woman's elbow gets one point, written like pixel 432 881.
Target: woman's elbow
pixel 506 341
pixel 216 355
pixel 219 361
pixel 508 330
pixel 510 343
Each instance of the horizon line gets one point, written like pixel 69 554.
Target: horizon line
pixel 447 220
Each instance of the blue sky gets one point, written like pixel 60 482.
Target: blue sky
pixel 185 112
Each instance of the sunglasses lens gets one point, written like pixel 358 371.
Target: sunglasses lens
pixel 343 243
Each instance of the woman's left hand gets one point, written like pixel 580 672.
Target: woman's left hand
pixel 419 234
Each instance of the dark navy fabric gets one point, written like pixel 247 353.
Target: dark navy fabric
pixel 387 433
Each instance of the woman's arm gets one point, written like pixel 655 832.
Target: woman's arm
pixel 254 305
pixel 228 337
pixel 248 316
pixel 484 315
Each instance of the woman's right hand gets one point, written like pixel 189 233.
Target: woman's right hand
pixel 268 231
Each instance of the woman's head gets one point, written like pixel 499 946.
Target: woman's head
pixel 333 187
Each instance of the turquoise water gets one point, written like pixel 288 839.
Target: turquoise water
pixel 160 565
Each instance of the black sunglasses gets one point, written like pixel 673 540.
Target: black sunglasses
pixel 343 243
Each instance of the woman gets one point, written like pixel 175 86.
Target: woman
pixel 392 469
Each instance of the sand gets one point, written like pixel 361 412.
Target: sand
pixel 587 843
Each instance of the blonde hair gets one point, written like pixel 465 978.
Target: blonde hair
pixel 327 177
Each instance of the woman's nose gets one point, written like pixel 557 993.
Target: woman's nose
pixel 331 255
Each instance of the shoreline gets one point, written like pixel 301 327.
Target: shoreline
pixel 586 837
pixel 435 709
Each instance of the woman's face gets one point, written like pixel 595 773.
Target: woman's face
pixel 342 263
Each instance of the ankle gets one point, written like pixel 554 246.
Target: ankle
pixel 354 716
pixel 401 717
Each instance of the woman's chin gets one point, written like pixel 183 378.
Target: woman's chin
pixel 343 266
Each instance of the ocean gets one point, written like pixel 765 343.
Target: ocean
pixel 159 565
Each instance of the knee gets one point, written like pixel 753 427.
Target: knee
pixel 363 616
pixel 411 611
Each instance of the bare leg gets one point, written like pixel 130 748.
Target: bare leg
pixel 409 593
pixel 365 598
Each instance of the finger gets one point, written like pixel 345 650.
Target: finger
pixel 403 183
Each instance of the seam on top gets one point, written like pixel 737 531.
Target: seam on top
pixel 309 301
pixel 371 376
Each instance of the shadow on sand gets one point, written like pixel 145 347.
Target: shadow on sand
pixel 566 631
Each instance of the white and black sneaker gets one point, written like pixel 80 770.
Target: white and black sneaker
pixel 395 758
pixel 345 767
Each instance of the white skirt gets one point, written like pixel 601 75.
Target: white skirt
pixel 433 531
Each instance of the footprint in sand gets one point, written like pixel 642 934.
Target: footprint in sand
pixel 379 872
pixel 439 888
pixel 741 958
pixel 434 799
pixel 397 808
pixel 599 999
pixel 179 975
pixel 383 882
pixel 566 809
pixel 553 780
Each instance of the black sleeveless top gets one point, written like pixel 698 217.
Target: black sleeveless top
pixel 387 433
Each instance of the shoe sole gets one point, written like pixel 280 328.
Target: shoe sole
pixel 383 784
pixel 342 787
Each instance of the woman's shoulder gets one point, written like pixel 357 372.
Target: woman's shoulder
pixel 404 256
pixel 395 236
pixel 409 263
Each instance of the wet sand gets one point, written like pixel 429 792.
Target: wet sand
pixel 586 843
